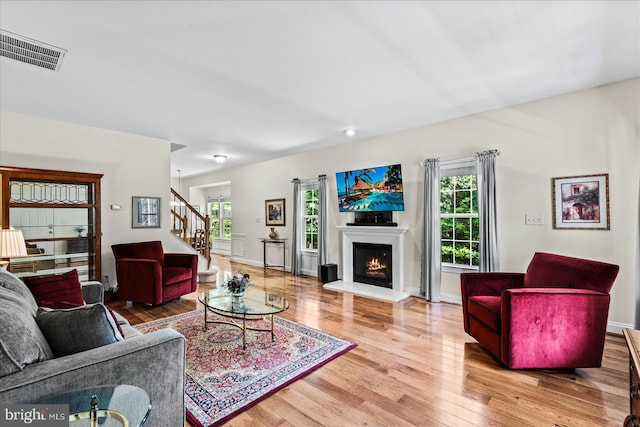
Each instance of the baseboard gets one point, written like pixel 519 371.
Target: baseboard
pixel 616 328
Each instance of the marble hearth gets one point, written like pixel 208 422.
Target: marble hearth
pixel 393 236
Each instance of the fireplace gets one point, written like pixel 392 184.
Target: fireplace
pixel 390 237
pixel 372 264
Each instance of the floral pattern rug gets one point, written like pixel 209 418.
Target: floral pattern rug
pixel 221 380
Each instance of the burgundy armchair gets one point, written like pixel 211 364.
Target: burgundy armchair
pixel 554 316
pixel 148 275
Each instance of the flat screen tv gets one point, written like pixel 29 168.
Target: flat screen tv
pixel 370 190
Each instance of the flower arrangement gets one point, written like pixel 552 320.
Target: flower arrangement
pixel 238 283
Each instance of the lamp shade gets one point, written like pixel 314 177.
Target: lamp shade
pixel 12 243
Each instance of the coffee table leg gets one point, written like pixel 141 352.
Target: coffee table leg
pixel 273 337
pixel 205 319
pixel 244 332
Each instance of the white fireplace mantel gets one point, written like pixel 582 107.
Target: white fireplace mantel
pixel 393 236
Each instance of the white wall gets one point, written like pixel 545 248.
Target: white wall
pixel 132 166
pixel 588 132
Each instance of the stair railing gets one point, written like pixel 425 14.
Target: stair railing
pixel 191 226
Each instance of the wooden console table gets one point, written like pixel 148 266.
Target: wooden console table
pixel 632 337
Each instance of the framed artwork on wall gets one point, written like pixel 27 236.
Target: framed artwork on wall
pixel 145 212
pixel 581 202
pixel 274 212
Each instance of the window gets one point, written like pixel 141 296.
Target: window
pixel 310 217
pixel 220 217
pixel 459 219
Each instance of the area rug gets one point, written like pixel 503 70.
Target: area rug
pixel 221 380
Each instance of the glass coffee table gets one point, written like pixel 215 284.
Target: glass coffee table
pixel 104 406
pixel 254 305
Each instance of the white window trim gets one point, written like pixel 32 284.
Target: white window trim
pixel 220 200
pixel 456 167
pixel 310 184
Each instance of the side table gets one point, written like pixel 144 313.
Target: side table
pixel 281 242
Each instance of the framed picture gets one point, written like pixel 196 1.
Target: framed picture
pixel 581 202
pixel 145 212
pixel 274 212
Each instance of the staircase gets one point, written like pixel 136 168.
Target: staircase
pixel 191 226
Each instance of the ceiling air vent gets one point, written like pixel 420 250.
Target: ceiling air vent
pixel 30 51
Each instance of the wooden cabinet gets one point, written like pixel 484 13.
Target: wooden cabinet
pixel 59 215
pixel 632 337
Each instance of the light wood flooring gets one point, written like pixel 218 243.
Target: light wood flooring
pixel 414 366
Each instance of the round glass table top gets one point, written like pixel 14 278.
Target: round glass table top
pixel 113 401
pixel 254 302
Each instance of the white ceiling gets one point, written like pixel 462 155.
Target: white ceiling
pixel 264 79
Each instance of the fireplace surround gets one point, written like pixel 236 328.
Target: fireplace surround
pixel 393 236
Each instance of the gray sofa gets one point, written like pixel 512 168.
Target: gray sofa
pixel 154 362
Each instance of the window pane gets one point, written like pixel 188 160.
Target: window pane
pixel 463 253
pixel 475 229
pixel 215 228
pixel 463 202
pixel 447 251
pixel 446 202
pixel 475 253
pixel 474 201
pixel 462 230
pixel 446 228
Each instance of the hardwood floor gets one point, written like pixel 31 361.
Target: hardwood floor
pixel 414 366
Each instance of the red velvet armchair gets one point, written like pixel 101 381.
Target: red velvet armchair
pixel 148 275
pixel 554 316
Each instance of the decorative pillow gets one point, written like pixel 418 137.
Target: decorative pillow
pixel 73 330
pixel 21 341
pixel 10 281
pixel 56 287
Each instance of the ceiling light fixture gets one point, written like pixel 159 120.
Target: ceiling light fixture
pixel 349 131
pixel 219 158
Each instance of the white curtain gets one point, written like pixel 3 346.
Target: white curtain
pixel 295 240
pixel 431 258
pixel 322 221
pixel 487 210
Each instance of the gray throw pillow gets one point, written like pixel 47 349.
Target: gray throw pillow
pixel 77 329
pixel 10 281
pixel 21 341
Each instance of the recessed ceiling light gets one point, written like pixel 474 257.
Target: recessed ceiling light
pixel 349 131
pixel 219 158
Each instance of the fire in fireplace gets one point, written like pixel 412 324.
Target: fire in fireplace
pixel 372 264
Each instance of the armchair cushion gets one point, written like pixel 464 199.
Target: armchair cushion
pixel 172 275
pixel 487 310
pixel 56 287
pixel 70 331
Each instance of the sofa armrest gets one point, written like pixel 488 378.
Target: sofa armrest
pixel 563 325
pixel 92 292
pixel 154 362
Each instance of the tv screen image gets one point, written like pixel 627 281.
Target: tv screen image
pixel 371 189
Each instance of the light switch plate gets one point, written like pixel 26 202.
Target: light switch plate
pixel 534 219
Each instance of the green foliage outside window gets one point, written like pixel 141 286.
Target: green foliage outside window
pixel 459 222
pixel 217 220
pixel 311 219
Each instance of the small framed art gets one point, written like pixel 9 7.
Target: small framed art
pixel 274 212
pixel 145 212
pixel 581 202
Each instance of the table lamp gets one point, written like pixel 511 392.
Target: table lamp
pixel 11 245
